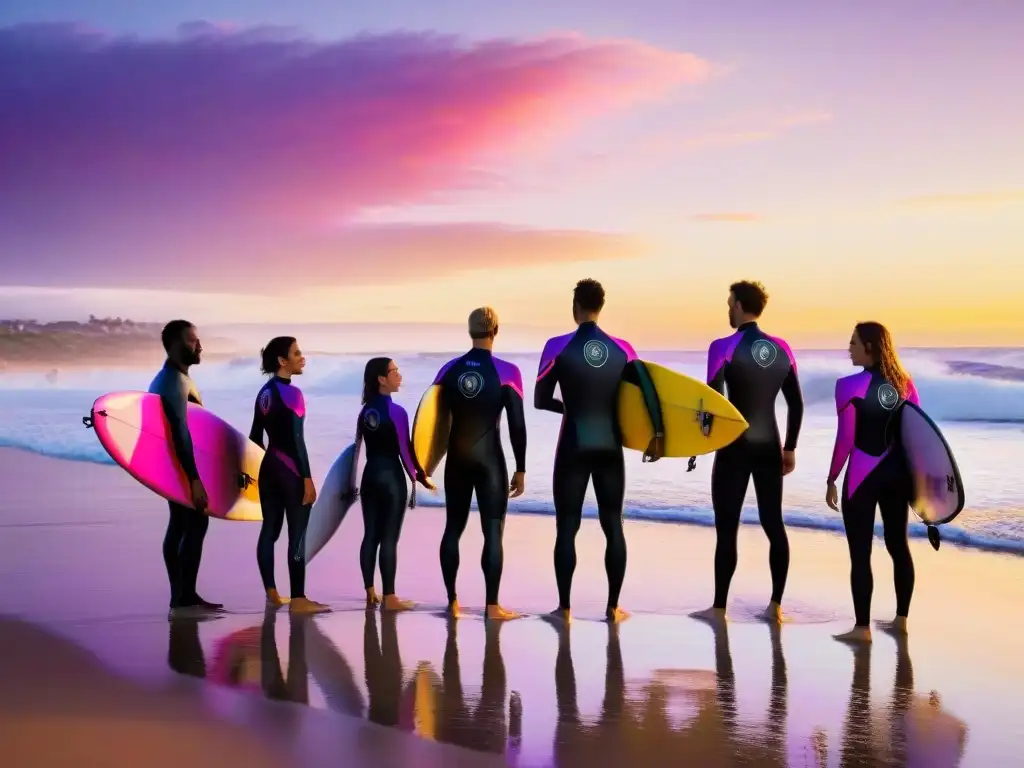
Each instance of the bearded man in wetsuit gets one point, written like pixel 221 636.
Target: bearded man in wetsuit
pixel 753 368
pixel 186 527
pixel 588 365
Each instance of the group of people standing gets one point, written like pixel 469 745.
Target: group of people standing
pixel 588 366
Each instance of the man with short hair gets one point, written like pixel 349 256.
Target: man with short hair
pixel 753 368
pixel 588 366
pixel 186 528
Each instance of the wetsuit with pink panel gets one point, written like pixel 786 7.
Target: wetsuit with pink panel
pixel 588 366
pixel 753 368
pixel 876 476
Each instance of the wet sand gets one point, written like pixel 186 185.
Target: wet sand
pixel 82 544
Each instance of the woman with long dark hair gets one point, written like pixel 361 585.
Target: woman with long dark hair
pixel 286 484
pixel 877 475
pixel 383 426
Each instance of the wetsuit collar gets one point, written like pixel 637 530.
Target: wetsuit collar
pixel 480 352
pixel 747 325
pixel 588 324
pixel 281 379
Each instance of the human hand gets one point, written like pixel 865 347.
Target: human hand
pixel 832 496
pixel 518 485
pixel 308 491
pixel 788 462
pixel 655 449
pixel 200 501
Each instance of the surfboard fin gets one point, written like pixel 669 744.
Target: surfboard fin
pixel 245 480
pixel 89 422
pixel 705 419
pixel 934 537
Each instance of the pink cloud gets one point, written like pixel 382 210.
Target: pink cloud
pixel 727 217
pixel 125 150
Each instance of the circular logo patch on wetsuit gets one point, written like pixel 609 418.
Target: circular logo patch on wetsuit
pixel 888 396
pixel 265 401
pixel 596 353
pixel 764 352
pixel 470 384
pixel 371 419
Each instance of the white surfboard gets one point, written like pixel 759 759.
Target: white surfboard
pixel 332 502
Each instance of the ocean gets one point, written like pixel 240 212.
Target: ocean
pixel 975 395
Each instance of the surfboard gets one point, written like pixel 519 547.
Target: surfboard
pixel 683 399
pixel 132 428
pixel 333 501
pixel 938 491
pixel 430 429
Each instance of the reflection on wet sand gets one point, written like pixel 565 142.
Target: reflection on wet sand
pixel 912 732
pixel 638 730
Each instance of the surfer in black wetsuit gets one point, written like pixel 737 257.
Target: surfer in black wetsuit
pixel 383 426
pixel 186 527
pixel 476 388
pixel 877 475
pixel 588 366
pixel 286 484
pixel 754 367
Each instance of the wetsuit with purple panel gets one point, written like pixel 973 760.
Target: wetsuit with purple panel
pixel 476 388
pixel 877 476
pixel 280 412
pixel 588 366
pixel 383 427
pixel 752 368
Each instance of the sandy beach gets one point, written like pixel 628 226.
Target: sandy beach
pixel 80 555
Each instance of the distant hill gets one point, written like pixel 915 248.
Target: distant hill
pixel 97 342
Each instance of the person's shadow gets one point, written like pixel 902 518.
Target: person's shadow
pixel 638 729
pixel 437 707
pixel 912 730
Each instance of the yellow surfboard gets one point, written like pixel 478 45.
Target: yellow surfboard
pixel 430 429
pixel 683 399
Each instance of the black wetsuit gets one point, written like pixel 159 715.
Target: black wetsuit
pixel 753 367
pixel 877 477
pixel 186 528
pixel 476 388
pixel 384 428
pixel 280 411
pixel 589 366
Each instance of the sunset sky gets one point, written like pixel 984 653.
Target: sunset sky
pixel 253 160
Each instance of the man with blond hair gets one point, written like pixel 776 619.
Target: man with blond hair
pixel 476 388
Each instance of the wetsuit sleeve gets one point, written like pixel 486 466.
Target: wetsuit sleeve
pixel 844 432
pixel 636 372
pixel 175 406
pixel 256 430
pixel 513 401
pixel 912 393
pixel 298 434
pixel 794 407
pixel 716 368
pixel 547 377
pixel 400 419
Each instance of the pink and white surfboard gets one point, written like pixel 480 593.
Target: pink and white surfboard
pixel 132 428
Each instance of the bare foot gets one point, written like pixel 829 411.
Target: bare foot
pixel 372 599
pixel 897 627
pixel 558 618
pixel 856 636
pixel 393 603
pixel 497 613
pixel 274 599
pixel 454 610
pixel 305 605
pixel 615 615
pixel 773 614
pixel 713 616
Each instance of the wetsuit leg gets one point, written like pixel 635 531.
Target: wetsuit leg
pixel 458 494
pixel 766 470
pixel 272 504
pixel 491 483
pixel 895 515
pixel 172 546
pixel 570 486
pixel 859 521
pixel 730 477
pixel 372 529
pixel 190 554
pixel 298 519
pixel 392 511
pixel 609 473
